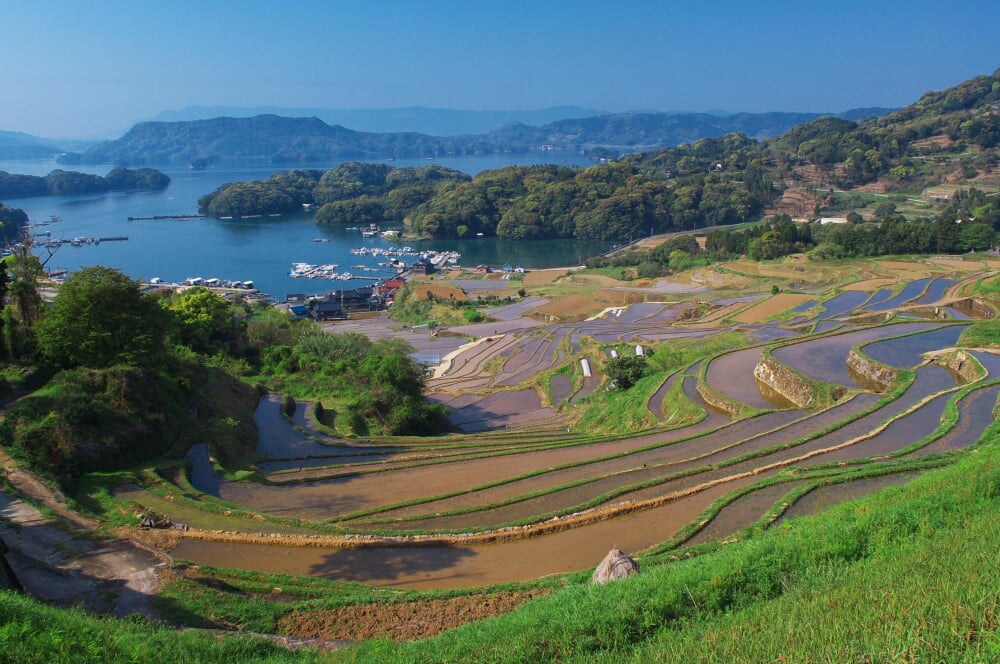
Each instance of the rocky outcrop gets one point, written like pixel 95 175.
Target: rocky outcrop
pixel 973 308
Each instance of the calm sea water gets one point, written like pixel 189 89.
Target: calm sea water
pixel 261 250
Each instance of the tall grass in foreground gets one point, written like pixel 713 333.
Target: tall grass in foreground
pixel 31 632
pixel 909 575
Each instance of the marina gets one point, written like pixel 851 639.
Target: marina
pixel 262 249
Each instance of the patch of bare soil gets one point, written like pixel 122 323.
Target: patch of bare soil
pixel 870 284
pixel 568 306
pixel 404 621
pixel 439 291
pixel 535 278
pixel 771 307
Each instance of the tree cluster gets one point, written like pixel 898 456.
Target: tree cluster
pixel 709 183
pixel 127 366
pixel 12 220
pixel 380 379
pixel 352 193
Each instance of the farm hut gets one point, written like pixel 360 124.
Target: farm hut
pixel 616 565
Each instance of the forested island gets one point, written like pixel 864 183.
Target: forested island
pixel 66 183
pixel 711 182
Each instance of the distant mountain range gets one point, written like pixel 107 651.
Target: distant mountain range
pixel 17 145
pixel 432 121
pixel 283 140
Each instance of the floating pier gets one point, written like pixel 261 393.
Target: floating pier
pixel 177 217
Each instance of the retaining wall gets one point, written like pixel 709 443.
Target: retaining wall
pixel 784 381
pixel 873 373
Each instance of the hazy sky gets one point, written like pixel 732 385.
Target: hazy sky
pixel 84 69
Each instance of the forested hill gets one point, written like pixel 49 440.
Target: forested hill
pixel 947 136
pixel 274 139
pixel 951 135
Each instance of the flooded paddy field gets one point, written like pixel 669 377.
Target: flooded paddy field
pixel 825 359
pixel 524 492
pixel 906 352
pixel 828 496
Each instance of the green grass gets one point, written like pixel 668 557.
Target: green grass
pixel 31 632
pixel 981 334
pixel 620 410
pixel 680 352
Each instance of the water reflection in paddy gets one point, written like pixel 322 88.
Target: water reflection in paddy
pixel 907 351
pixel 975 413
pixel 825 359
pixel 842 304
pixel 935 291
pixel 605 476
pixel 896 436
pixel 879 297
pixel 910 291
pixel 930 379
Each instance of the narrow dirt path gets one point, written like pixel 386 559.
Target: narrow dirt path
pixel 57 558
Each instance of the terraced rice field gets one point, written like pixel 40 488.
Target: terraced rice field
pixel 523 492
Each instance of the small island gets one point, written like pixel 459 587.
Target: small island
pixel 68 183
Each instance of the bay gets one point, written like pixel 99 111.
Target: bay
pixel 263 249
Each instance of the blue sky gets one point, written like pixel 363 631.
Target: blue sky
pixel 85 69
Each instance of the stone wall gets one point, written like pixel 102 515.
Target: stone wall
pixel 876 375
pixel 961 364
pixel 784 381
pixel 717 402
pixel 973 307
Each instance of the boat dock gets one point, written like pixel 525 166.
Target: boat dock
pixel 170 217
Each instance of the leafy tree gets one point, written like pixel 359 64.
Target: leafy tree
pixel 206 321
pixel 976 237
pixel 625 370
pixel 101 318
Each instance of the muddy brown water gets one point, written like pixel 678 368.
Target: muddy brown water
pixel 825 497
pixel 432 567
pixel 741 513
pixel 975 413
pixel 732 375
pixel 655 404
pixel 612 475
pixel 457 566
pixel 901 433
